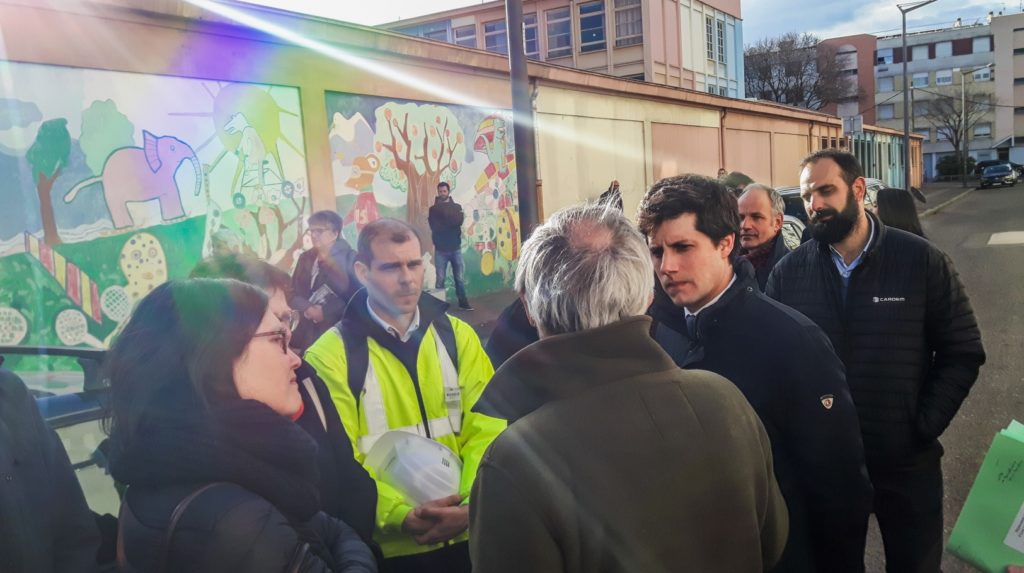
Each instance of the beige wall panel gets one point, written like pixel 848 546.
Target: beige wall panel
pixel 787 152
pixel 679 149
pixel 749 152
pixel 579 156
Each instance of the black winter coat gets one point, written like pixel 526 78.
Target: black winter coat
pixel 512 333
pixel 786 368
pixel 906 333
pixel 262 517
pixel 346 490
pixel 445 218
pixel 764 268
pixel 45 524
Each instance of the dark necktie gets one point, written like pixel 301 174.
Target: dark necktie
pixel 691 326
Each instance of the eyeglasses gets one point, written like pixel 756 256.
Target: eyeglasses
pixel 284 334
pixel 290 319
pixel 316 231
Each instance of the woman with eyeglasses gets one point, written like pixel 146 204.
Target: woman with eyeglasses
pixel 202 402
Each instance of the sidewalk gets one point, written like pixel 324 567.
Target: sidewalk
pixel 486 309
pixel 939 193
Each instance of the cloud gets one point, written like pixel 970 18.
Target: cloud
pixel 769 18
pixel 17 113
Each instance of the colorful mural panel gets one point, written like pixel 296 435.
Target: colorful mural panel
pixel 115 182
pixel 388 155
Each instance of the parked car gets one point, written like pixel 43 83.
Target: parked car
pixel 999 175
pixel 70 395
pixel 980 167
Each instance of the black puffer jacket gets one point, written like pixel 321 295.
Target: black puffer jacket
pixel 906 333
pixel 261 517
pixel 787 370
pixel 445 218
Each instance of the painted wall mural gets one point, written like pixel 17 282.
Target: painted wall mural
pixel 389 155
pixel 114 182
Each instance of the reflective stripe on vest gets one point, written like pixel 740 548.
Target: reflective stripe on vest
pixel 372 404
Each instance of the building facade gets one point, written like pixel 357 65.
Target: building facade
pixel 856 57
pixel 680 43
pixel 944 67
pixel 1008 34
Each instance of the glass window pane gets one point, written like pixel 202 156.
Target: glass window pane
pixel 495 37
pixel 559 31
pixel 465 36
pixel 592 26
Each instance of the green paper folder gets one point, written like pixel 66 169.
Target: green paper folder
pixel 989 533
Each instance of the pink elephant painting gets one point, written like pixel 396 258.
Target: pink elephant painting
pixel 138 174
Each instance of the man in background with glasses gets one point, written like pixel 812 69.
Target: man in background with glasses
pixel 710 314
pixel 322 282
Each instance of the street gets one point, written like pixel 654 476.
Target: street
pixel 993 276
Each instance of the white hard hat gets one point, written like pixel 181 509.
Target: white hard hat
pixel 419 468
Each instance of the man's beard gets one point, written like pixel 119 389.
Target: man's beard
pixel 839 226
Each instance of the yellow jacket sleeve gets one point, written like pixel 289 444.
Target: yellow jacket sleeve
pixel 478 430
pixel 327 357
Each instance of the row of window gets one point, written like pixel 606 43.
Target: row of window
pixel 921 79
pixel 629 30
pixel 942 133
pixel 714 34
pixel 718 90
pixel 888 110
pixel 942 50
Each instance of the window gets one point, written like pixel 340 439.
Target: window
pixel 629 24
pixel 883 56
pixel 465 36
pixel 926 133
pixel 942 134
pixel 592 26
pixel 886 111
pixel 919 53
pixel 559 33
pixel 1018 110
pixel 1018 51
pixel 496 37
pixel 712 89
pixel 885 84
pixel 530 41
pixel 943 49
pixel 1018 81
pixel 983 75
pixel 721 41
pixel 983 130
pixel 983 44
pixel 723 91
pixel 709 35
pixel 920 80
pixel 920 108
pixel 439 35
pixel 944 78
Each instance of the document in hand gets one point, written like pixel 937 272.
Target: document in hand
pixel 989 533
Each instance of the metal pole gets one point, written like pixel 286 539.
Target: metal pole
pixel 522 121
pixel 906 109
pixel 904 8
pixel 963 129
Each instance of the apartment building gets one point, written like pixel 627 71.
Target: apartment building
pixel 856 57
pixel 681 43
pixel 1008 34
pixel 938 61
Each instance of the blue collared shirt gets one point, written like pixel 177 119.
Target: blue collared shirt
pixel 845 270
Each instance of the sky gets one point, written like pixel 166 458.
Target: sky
pixel 761 18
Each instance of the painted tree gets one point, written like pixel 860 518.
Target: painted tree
pixel 104 129
pixel 48 156
pixel 419 146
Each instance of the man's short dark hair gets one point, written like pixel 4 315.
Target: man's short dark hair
pixel 847 162
pixel 445 185
pixel 711 201
pixel 243 268
pixel 393 230
pixel 326 218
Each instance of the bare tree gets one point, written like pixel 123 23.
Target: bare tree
pixel 951 120
pixel 796 69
